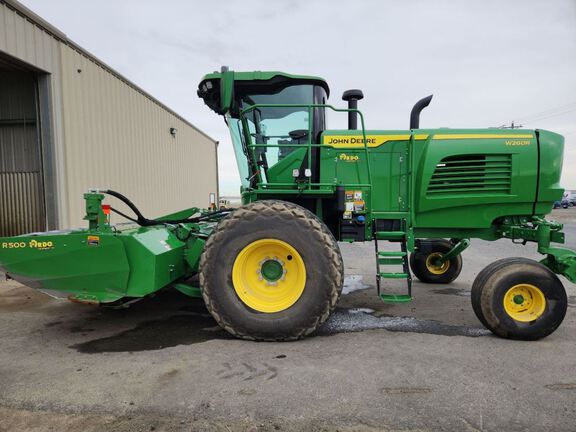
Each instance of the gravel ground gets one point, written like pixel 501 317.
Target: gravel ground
pixel 163 364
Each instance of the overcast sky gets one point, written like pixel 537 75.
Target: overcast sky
pixel 487 62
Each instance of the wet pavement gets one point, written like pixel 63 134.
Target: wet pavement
pixel 164 364
pixel 356 320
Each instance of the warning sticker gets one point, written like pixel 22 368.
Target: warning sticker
pixel 93 240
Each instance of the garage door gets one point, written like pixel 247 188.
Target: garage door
pixel 22 208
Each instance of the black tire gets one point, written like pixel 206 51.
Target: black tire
pixel 424 249
pixel 494 281
pixel 479 282
pixel 303 231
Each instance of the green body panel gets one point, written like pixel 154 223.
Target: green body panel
pixel 348 166
pixel 193 251
pixel 282 171
pixel 509 188
pixel 509 184
pixel 551 157
pixel 156 258
pixel 92 266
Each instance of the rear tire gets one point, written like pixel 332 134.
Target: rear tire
pixel 518 298
pixel 271 271
pixel 421 262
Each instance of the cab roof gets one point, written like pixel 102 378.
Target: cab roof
pixel 270 75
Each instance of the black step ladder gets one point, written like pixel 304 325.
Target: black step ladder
pixel 393 258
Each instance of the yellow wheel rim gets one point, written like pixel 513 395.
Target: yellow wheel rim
pixel 524 302
pixel 269 275
pixel 436 269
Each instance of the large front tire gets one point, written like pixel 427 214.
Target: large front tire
pixel 271 271
pixel 517 298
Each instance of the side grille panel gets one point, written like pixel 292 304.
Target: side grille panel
pixel 472 174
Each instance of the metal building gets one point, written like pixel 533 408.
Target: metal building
pixel 69 122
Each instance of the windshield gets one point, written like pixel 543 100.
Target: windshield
pixel 280 134
pixel 235 127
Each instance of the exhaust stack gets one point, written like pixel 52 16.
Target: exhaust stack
pixel 416 110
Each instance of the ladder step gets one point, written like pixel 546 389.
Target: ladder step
pixel 393 275
pixel 391 261
pixel 395 298
pixel 390 235
pixel 391 254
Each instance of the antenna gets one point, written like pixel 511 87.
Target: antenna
pixel 512 126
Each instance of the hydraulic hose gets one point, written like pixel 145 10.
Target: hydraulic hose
pixel 143 221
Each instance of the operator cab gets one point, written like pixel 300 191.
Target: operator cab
pixel 270 118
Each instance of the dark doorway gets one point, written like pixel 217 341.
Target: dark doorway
pixel 22 204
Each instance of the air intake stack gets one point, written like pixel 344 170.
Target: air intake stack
pixel 352 97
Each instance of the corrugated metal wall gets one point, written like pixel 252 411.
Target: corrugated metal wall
pixel 118 138
pixel 21 188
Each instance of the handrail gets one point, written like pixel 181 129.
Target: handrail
pixel 358 185
pixel 252 146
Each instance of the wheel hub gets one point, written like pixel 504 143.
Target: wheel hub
pixel 271 270
pixel 524 302
pixel 269 275
pixel 518 299
pixel 435 266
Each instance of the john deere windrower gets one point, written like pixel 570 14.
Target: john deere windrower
pixel 272 270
